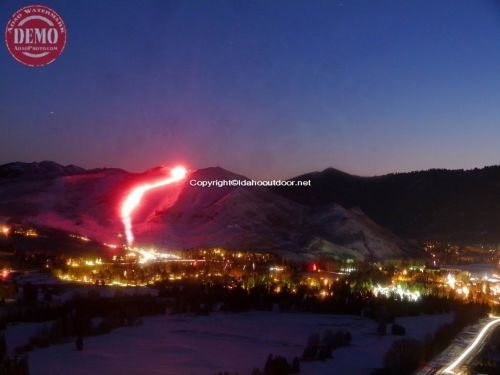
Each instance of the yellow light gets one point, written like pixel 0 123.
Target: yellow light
pixel 31 233
pixel 450 279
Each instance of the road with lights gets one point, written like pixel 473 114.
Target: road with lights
pixel 456 358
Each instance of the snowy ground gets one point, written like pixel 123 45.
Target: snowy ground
pixel 188 345
pixel 19 334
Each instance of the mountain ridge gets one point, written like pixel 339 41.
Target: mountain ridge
pixel 182 216
pixel 451 205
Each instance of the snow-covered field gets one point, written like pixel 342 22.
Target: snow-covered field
pixel 19 334
pixel 236 343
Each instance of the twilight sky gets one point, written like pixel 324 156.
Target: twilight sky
pixel 265 88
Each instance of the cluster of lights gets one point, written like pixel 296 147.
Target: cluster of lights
pixel 463 290
pixel 325 293
pixel 89 271
pixel 347 269
pixel 398 290
pixel 87 262
pixel 87 280
pixel 80 237
pixel 486 287
pixel 152 255
pixel 31 233
pixel 276 269
pixel 5 230
pixel 218 251
pixel 451 281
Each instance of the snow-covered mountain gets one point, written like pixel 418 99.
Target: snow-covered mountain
pixel 458 206
pixel 181 216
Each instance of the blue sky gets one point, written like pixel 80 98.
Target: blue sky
pixel 265 88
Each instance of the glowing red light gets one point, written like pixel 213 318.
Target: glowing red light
pixel 134 198
pixel 314 267
pixel 5 273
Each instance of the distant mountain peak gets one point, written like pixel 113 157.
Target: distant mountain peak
pixel 447 204
pixel 42 168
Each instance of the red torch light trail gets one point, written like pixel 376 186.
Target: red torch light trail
pixel 134 198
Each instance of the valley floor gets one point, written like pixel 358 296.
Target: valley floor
pixel 238 343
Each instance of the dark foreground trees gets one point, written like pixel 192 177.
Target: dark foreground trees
pixel 14 364
pixel 404 357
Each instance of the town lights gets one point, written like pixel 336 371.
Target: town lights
pixel 451 281
pixel 149 255
pixel 398 290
